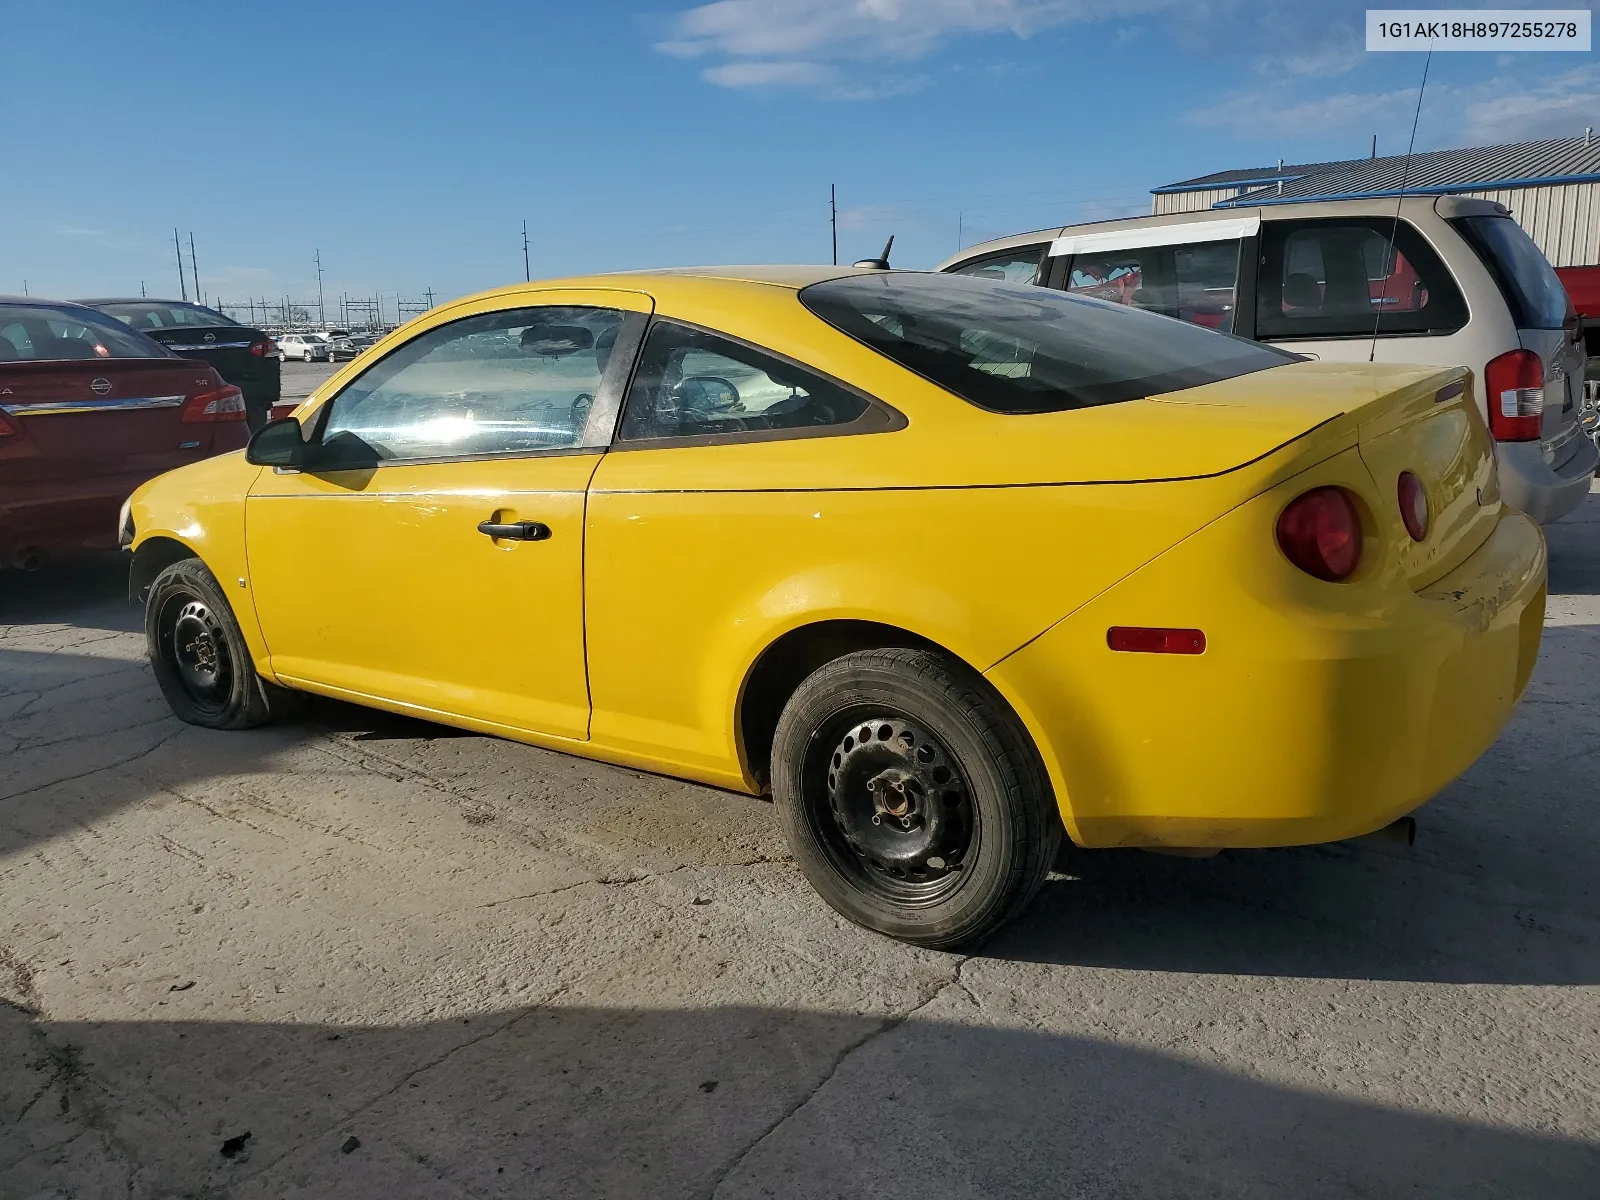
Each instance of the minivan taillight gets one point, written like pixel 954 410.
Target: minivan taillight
pixel 1320 532
pixel 222 404
pixel 1515 385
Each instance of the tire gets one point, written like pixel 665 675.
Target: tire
pixel 306 357
pixel 935 828
pixel 199 657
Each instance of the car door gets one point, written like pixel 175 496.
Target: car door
pixel 430 556
pixel 691 513
pixel 1190 271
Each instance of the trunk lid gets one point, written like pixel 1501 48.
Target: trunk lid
pixel 225 347
pixel 87 418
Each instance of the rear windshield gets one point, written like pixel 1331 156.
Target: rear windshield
pixel 1016 348
pixel 166 314
pixel 40 334
pixel 1530 284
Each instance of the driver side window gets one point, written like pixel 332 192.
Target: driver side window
pixel 510 382
pixel 691 383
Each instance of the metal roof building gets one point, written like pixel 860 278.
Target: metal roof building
pixel 1552 187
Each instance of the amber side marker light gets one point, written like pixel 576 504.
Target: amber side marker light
pixel 1142 639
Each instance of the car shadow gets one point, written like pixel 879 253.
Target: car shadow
pixel 1574 543
pixel 740 1101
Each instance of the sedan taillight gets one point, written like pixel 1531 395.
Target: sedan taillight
pixel 265 348
pixel 7 429
pixel 1320 533
pixel 221 404
pixel 1515 382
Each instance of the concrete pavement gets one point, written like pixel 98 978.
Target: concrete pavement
pixel 365 956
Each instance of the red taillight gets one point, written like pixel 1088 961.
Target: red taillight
pixel 1142 639
pixel 7 429
pixel 1321 534
pixel 265 348
pixel 222 404
pixel 1413 505
pixel 1515 385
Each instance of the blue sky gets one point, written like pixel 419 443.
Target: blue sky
pixel 409 141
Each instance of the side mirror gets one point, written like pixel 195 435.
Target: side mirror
pixel 279 443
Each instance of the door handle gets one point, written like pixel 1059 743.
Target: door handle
pixel 516 531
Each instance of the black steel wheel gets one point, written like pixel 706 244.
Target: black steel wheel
pixel 912 797
pixel 200 658
pixel 901 811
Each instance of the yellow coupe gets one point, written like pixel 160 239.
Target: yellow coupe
pixel 951 566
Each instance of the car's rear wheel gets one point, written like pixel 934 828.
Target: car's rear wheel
pixel 200 659
pixel 912 798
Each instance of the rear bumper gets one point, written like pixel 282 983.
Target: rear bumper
pixel 1542 490
pixel 62 525
pixel 1301 723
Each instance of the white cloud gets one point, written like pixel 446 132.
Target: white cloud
pixel 1500 109
pixel 770 74
pixel 1560 108
pixel 1340 49
pixel 792 43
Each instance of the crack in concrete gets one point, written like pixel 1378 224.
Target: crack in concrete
pixel 887 1026
pixel 121 762
pixel 345 1120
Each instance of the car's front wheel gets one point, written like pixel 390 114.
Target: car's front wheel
pixel 912 797
pixel 200 659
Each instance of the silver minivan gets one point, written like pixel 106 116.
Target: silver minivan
pixel 1441 281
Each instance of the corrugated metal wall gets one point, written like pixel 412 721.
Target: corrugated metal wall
pixel 1563 218
pixel 1177 202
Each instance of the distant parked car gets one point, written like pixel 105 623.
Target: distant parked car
pixel 1430 281
pixel 89 410
pixel 307 347
pixel 348 347
pixel 243 355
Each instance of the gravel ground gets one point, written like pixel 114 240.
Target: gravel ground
pixel 362 956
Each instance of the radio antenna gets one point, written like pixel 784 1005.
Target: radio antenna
pixel 1405 177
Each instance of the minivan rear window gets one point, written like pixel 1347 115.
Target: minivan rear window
pixel 1015 348
pixel 1527 280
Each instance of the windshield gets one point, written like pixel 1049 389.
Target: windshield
pixel 1015 348
pixel 35 333
pixel 165 314
pixel 1530 284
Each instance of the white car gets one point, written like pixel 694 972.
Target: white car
pixel 307 347
pixel 1442 282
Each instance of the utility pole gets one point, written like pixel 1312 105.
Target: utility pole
pixel 833 221
pixel 527 273
pixel 429 295
pixel 961 218
pixel 321 320
pixel 141 288
pixel 195 267
pixel 24 287
pixel 177 246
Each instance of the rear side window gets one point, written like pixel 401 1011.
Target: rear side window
pixel 38 334
pixel 1020 264
pixel 1527 280
pixel 691 383
pixel 1015 349
pixel 1341 278
pixel 1194 283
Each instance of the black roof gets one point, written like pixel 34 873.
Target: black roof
pixel 1436 172
pixel 137 300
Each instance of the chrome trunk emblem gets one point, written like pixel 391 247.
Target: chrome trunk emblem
pixel 100 386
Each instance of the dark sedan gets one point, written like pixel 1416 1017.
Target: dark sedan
pixel 247 358
pixel 89 410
